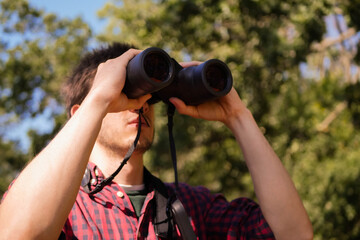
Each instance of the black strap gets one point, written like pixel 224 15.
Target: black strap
pixel 169 211
pixel 109 179
pixel 163 222
pixel 170 113
pixel 177 209
pixel 182 220
pixel 166 209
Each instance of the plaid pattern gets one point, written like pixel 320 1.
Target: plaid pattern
pixel 110 215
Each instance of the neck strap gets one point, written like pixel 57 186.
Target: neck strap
pixel 109 179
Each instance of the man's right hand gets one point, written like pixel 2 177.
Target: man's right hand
pixel 109 82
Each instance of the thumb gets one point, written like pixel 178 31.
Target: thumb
pixel 182 108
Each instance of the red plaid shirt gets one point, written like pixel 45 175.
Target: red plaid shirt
pixel 110 215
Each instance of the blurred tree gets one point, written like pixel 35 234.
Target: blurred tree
pixel 11 162
pixel 263 42
pixel 37 50
pixel 312 122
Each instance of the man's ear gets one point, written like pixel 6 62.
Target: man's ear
pixel 74 109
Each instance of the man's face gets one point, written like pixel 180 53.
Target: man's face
pixel 119 130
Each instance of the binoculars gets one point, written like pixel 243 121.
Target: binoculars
pixel 153 71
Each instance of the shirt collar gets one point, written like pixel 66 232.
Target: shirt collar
pixel 93 175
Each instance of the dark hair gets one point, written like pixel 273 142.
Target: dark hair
pixel 79 83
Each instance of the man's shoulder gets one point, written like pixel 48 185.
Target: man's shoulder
pixel 196 194
pixel 184 187
pixel 203 196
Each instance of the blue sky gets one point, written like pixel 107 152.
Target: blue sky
pixel 87 10
pixel 72 8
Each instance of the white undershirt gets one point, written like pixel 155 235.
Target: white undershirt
pixel 132 187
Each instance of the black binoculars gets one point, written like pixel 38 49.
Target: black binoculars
pixel 153 71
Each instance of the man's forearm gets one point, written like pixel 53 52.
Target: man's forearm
pixel 278 198
pixel 41 198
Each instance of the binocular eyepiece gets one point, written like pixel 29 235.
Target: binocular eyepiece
pixel 153 71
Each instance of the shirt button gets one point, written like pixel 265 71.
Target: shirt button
pixel 93 181
pixel 120 194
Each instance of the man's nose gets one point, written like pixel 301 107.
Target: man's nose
pixel 145 108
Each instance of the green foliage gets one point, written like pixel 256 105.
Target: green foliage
pixel 323 165
pixel 11 162
pixel 37 52
pixel 352 11
pixel 263 43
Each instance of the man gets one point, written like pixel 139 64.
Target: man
pixel 45 202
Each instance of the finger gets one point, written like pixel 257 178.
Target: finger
pixel 123 59
pixel 182 108
pixel 190 64
pixel 130 54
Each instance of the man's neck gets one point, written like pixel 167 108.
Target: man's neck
pixel 108 162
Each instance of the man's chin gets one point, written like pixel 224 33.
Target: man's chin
pixel 142 146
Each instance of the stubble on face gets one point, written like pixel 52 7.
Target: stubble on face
pixel 142 146
pixel 115 144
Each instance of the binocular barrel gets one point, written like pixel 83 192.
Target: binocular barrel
pixel 153 71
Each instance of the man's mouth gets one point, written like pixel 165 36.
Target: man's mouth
pixel 144 121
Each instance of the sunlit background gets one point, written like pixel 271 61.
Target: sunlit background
pixel 295 64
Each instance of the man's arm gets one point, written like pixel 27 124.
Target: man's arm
pixel 38 203
pixel 278 198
